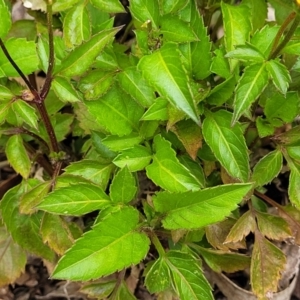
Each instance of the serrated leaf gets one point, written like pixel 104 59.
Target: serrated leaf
pixel 191 210
pixel 190 135
pixel 64 90
pixel 5 93
pixel 200 68
pixel 218 260
pixel 176 30
pixel 60 5
pixel 132 82
pixel 167 172
pixel 273 227
pixel 26 112
pixel 172 6
pixel 111 6
pixel 76 26
pixel 96 83
pixel 227 143
pixel 157 111
pixel 294 183
pixel 237 26
pixel 259 10
pixel 158 276
pixel 5 19
pixel 246 53
pixel 123 187
pixel 33 197
pixel 56 233
pixel 279 74
pixel 280 107
pixel 267 263
pixel 169 79
pixel 79 60
pixel 119 143
pixel 116 105
pixel 250 86
pixel 135 158
pixel 187 276
pixel 13 258
pixel 113 244
pixel 267 168
pixel 144 10
pixel 91 170
pixel 24 229
pixel 17 155
pixel 23 53
pixel 75 200
pixel 220 65
pixel 244 225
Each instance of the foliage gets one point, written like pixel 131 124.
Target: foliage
pixel 152 133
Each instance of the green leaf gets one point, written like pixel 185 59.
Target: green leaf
pixel 246 53
pixel 267 168
pixel 123 187
pixel 111 6
pixel 227 143
pixel 283 108
pixel 17 155
pixel 220 64
pixel 157 276
pixel 13 258
pixel 116 111
pixel 23 53
pixel 56 232
pixel 172 6
pixel 96 83
pixel 132 82
pixel 187 276
pixel 113 244
pixel 33 197
pixel 75 200
pixel 26 112
pixel 200 68
pixel 191 210
pixel 267 263
pixel 144 10
pixel 5 93
pixel 135 158
pixel 24 229
pixel 294 183
pixel 249 88
pixel 6 22
pixel 264 127
pixel 91 170
pixel 76 26
pixel 167 172
pixel 218 260
pixel 157 111
pixel 64 90
pixel 273 227
pixel 279 74
pixel 99 289
pixel 169 78
pixel 23 29
pixel 79 60
pixel 176 30
pixel 237 26
pixel 60 5
pixel 259 10
pixel 119 143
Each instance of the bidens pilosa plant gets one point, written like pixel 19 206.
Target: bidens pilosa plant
pixel 156 142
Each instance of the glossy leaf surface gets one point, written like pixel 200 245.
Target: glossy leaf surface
pixel 197 209
pixel 97 252
pixel 5 19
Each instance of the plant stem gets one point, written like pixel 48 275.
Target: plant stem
pixel 276 49
pixel 157 244
pixel 27 82
pixel 47 84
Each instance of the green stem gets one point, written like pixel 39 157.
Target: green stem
pixel 276 50
pixel 47 84
pixel 157 244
